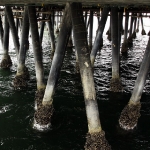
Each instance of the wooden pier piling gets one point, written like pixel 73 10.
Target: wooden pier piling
pixel 6 60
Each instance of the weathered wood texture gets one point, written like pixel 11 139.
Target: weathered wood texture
pixel 84 2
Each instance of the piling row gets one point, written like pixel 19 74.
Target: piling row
pixel 73 23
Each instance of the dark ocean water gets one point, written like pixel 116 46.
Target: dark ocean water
pixel 69 124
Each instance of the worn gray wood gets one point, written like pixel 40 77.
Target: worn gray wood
pixel 84 2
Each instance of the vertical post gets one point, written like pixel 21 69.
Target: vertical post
pixel 51 33
pixel 6 60
pixel 91 30
pixel 143 31
pixel 17 23
pixel 57 18
pixel 131 25
pixel 134 29
pixel 99 35
pixel 22 72
pixel 109 30
pixel 85 18
pixel 115 84
pixel 53 18
pixel 95 137
pixel 1 30
pixel 42 25
pixel 138 21
pixel 130 114
pixel 98 15
pixel 43 115
pixel 37 50
pixel 13 28
pixel 130 38
pixel 120 18
pixel 125 42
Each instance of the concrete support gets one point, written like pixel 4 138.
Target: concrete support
pixel 17 23
pixel 51 33
pixel 22 74
pixel 130 114
pixel 131 25
pixel 70 43
pixel 115 83
pixel 120 18
pixel 134 29
pixel 91 30
pixel 85 17
pixel 109 30
pixel 99 35
pixel 42 119
pixel 125 42
pixel 1 30
pixel 130 38
pixel 96 136
pixel 12 28
pixel 53 18
pixel 87 24
pixel 148 33
pixel 138 21
pixel 42 25
pixel 143 31
pixel 6 60
pixel 98 16
pixel 77 63
pixel 37 50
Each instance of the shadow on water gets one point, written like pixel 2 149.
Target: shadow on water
pixel 69 124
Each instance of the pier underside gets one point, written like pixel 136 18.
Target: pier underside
pixel 84 2
pixel 70 28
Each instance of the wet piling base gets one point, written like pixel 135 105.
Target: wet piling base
pixel 38 98
pixel 6 62
pixel 134 35
pixel 109 36
pixel 20 81
pixel 101 43
pixel 137 30
pixel 143 32
pixel 77 70
pixel 96 141
pixel 122 32
pixel 107 32
pixel 130 41
pixel 124 48
pixel 70 43
pixel 115 85
pixel 129 116
pixel 42 117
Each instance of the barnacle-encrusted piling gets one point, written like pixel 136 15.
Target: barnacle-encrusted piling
pixel 44 111
pixel 115 83
pixel 6 60
pixel 130 114
pixel 37 50
pixel 95 134
pixel 22 75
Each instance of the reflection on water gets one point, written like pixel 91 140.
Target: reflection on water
pixel 69 124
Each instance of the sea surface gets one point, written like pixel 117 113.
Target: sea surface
pixel 69 123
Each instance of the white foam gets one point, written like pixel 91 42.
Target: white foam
pixel 41 127
pixel 35 107
pixel 5 109
pixel 127 127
